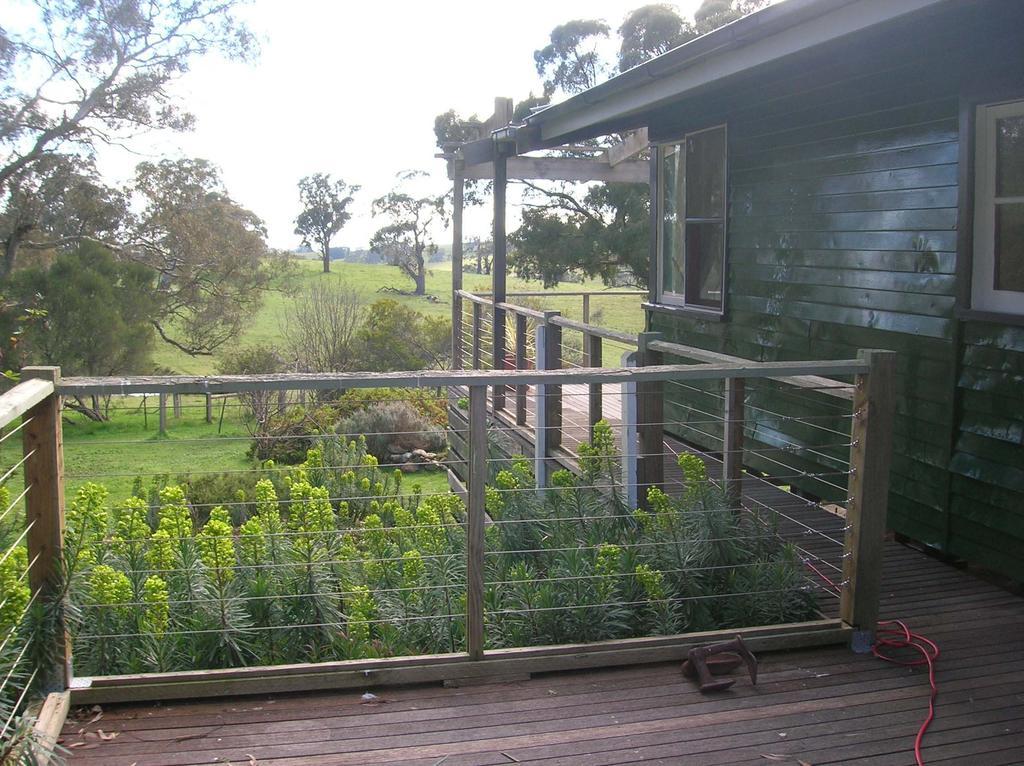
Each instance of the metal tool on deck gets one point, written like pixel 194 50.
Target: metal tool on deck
pixel 703 663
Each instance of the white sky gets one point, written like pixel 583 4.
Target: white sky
pixel 351 89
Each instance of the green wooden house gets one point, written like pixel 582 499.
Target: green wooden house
pixel 830 175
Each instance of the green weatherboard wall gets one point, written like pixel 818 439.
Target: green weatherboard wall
pixel 843 234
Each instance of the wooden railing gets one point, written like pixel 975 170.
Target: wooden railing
pixel 642 437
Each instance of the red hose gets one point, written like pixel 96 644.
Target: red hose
pixel 894 635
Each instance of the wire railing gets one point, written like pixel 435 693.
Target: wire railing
pixel 418 516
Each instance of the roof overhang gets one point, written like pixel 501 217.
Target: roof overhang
pixel 765 36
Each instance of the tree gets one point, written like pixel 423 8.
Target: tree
pixel 394 337
pixel 324 212
pixel 570 62
pixel 405 241
pixel 97 314
pixel 650 31
pixel 58 203
pixel 208 253
pixel 713 14
pixel 100 73
pixel 320 326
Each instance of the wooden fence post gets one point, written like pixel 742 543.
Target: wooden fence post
pixel 209 408
pixel 475 521
pixel 43 443
pixel 522 389
pixel 162 399
pixel 458 188
pixel 874 405
pixel 543 424
pixel 586 308
pixel 650 419
pixel 177 406
pixel 499 354
pixel 732 442
pixel 552 399
pixel 477 320
pixel 592 358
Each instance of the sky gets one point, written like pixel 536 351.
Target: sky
pixel 352 89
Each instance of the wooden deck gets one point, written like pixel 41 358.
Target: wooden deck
pixel 818 706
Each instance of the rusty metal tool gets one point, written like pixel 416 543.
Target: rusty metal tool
pixel 703 663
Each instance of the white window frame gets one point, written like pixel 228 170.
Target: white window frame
pixel 984 295
pixel 679 299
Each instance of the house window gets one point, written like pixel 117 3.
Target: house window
pixel 997 282
pixel 691 241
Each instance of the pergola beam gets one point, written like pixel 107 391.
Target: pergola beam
pixel 561 169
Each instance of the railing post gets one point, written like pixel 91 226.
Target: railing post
pixel 547 419
pixel 650 421
pixel 43 444
pixel 458 188
pixel 498 392
pixel 732 442
pixel 586 308
pixel 522 389
pixel 592 358
pixel 477 309
pixel 552 400
pixel 209 408
pixel 475 521
pixel 628 434
pixel 870 456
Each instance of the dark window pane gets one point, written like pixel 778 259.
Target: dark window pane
pixel 1010 157
pixel 671 222
pixel 705 174
pixel 1009 271
pixel 704 261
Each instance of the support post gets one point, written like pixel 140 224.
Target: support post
pixel 176 398
pixel 458 189
pixel 732 442
pixel 552 400
pixel 476 330
pixel 499 268
pixel 43 443
pixel 543 425
pixel 162 398
pixel 870 456
pixel 650 421
pixel 475 521
pixel 522 389
pixel 592 358
pixel 628 433
pixel 209 408
pixel 586 308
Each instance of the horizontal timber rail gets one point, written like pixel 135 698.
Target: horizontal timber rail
pixel 185 384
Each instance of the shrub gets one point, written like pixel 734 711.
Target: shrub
pixel 289 434
pixel 392 427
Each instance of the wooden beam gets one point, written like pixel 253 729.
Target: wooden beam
pixel 560 169
pixel 502 115
pixel 475 514
pixel 48 726
pixel 358 674
pixel 634 143
pixel 499 268
pixel 522 389
pixel 458 189
pixel 732 443
pixel 22 398
pixel 234 384
pixel 650 422
pixel 592 354
pixel 870 456
pixel 43 444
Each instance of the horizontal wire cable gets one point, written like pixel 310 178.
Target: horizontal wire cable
pixel 15 430
pixel 10 471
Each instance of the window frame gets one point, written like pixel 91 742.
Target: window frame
pixel 679 301
pixel 984 297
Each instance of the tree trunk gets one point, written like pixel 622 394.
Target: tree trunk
pixel 11 246
pixel 421 278
pixel 327 259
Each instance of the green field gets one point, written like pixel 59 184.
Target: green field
pixel 115 452
pixel 616 312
